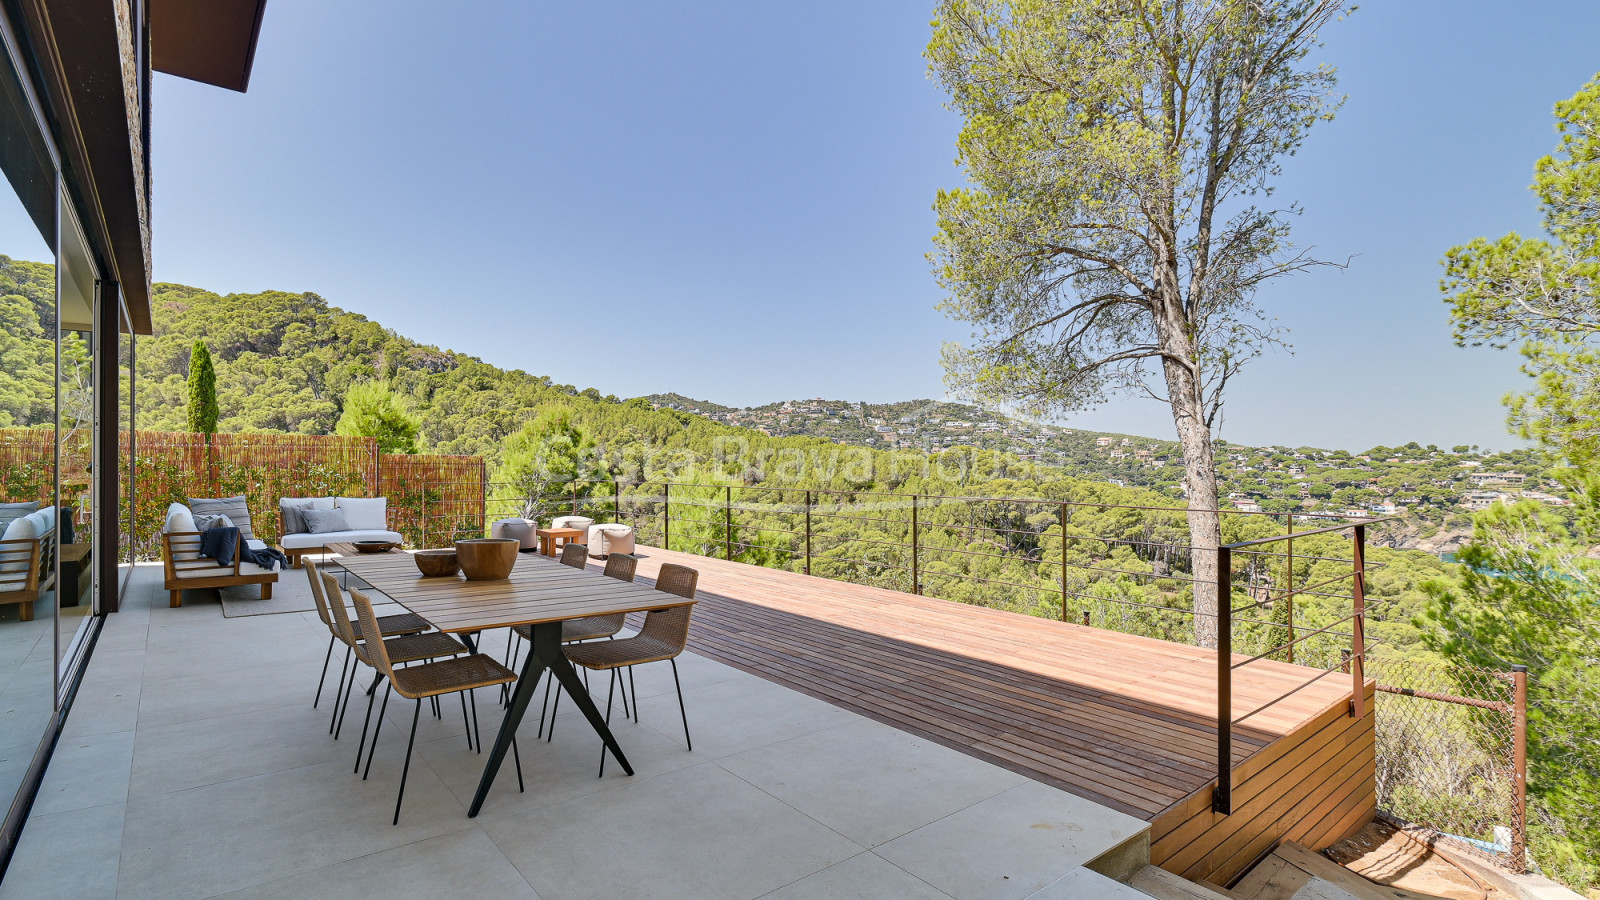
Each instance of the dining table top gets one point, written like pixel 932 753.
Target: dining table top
pixel 539 590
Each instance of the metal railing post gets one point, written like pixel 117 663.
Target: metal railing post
pixel 916 577
pixel 1061 516
pixel 1519 770
pixel 1358 624
pixel 1222 800
pixel 1288 597
pixel 727 522
pixel 666 515
pixel 616 498
pixel 808 531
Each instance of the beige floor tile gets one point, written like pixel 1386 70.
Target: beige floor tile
pixel 462 864
pixel 864 877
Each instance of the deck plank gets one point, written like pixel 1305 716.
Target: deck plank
pixel 1125 721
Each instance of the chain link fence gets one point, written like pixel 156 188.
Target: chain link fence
pixel 1450 757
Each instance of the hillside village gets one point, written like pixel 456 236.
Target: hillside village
pixel 1437 486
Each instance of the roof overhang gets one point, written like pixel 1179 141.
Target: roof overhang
pixel 210 41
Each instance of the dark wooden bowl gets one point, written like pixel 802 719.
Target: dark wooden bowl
pixel 436 563
pixel 487 559
pixel 375 546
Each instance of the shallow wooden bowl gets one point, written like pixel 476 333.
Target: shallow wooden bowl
pixel 436 563
pixel 487 559
pixel 375 546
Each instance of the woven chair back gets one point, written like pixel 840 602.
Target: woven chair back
pixel 575 555
pixel 671 626
pixel 317 596
pixel 676 579
pixel 377 651
pixel 621 566
pixel 341 616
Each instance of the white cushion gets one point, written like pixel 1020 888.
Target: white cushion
pixel 256 544
pixel 365 513
pixel 179 521
pixel 23 529
pixel 306 541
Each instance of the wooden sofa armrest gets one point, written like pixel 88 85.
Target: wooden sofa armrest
pixel 11 550
pixel 190 538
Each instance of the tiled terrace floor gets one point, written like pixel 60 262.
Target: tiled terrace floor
pixel 193 765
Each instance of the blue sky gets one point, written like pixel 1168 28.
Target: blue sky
pixel 732 199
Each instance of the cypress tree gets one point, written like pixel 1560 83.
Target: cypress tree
pixel 203 409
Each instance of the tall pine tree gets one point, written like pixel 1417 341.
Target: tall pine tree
pixel 203 408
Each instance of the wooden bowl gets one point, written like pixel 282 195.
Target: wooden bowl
pixel 375 546
pixel 436 563
pixel 487 559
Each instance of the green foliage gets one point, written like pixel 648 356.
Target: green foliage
pixel 1527 594
pixel 549 463
pixel 202 407
pixel 372 409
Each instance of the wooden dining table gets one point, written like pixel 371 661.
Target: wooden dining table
pixel 541 593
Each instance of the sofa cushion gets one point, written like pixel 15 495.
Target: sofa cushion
pixel 204 522
pixel 291 506
pixel 23 529
pixel 309 541
pixel 582 523
pixel 323 521
pixel 10 512
pixel 180 521
pixel 365 513
pixel 235 508
pixel 250 569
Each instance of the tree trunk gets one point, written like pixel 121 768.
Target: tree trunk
pixel 1199 481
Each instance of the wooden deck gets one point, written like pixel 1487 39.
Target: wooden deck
pixel 1125 721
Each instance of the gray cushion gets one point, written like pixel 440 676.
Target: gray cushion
pixel 206 523
pixel 291 506
pixel 235 508
pixel 323 521
pixel 10 512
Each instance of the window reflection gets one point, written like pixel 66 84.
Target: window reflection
pixel 76 288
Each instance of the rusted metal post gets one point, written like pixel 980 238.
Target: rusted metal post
pixel 1061 517
pixel 808 531
pixel 1358 625
pixel 1222 800
pixel 727 522
pixel 1288 576
pixel 916 578
pixel 1519 770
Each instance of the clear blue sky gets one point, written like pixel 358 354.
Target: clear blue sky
pixel 732 199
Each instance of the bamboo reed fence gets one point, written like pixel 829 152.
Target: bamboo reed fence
pixel 171 467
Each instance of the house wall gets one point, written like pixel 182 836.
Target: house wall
pixel 1314 786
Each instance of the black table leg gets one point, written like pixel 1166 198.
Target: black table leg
pixel 544 653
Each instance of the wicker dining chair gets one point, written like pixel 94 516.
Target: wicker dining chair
pixel 619 566
pixel 458 675
pixel 575 555
pixel 404 649
pixel 665 635
pixel 402 623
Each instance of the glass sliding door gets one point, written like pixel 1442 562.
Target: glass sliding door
pixel 28 435
pixel 77 285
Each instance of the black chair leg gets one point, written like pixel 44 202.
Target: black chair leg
pixel 553 710
pixel 476 734
pixel 466 722
pixel 545 706
pixel 339 690
pixel 681 711
pixel 635 692
pixel 416 712
pixel 517 756
pixel 326 658
pixel 609 692
pixel 349 689
pixel 373 750
pixel 371 696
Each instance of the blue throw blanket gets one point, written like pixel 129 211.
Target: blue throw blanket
pixel 222 544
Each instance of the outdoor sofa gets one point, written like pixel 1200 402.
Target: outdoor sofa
pixel 185 568
pixel 364 519
pixel 26 566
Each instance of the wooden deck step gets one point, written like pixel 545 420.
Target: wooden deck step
pixel 1294 873
pixel 1163 885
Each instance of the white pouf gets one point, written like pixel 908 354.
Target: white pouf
pixel 610 537
pixel 522 530
pixel 582 523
